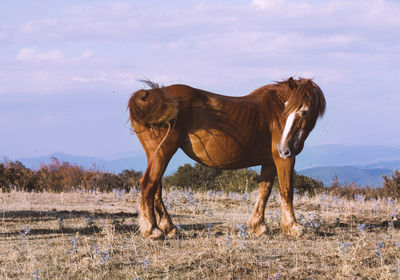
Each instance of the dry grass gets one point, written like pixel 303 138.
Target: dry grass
pixel 94 236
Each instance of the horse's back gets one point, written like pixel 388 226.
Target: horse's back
pixel 221 131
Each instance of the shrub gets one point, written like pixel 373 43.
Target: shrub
pixel 15 174
pixel 63 176
pixel 241 180
pixel 130 179
pixel 303 184
pixel 391 187
pixel 4 182
pixel 105 182
pixel 205 178
pixel 196 177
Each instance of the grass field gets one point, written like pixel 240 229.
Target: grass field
pixel 82 235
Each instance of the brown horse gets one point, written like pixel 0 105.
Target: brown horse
pixel 268 127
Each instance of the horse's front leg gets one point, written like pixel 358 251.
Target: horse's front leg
pixel 151 194
pixel 147 218
pixel 164 221
pixel 289 224
pixel 257 224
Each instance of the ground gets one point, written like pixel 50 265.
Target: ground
pixel 88 235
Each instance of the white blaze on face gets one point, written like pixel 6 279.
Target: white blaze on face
pixel 288 127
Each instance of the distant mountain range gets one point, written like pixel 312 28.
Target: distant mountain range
pixel 362 165
pixel 347 175
pixel 395 164
pixel 353 155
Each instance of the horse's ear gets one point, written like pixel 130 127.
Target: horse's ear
pixel 292 83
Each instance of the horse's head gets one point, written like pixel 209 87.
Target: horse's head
pixel 304 105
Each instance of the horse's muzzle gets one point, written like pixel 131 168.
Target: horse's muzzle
pixel 284 152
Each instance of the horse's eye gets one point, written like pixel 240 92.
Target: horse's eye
pixel 304 113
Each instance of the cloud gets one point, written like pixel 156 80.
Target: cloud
pixel 207 44
pixel 267 4
pixel 51 119
pixel 26 54
pixel 86 54
pixel 88 80
pixel 31 54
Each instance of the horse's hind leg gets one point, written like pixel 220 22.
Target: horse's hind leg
pixel 164 221
pixel 257 224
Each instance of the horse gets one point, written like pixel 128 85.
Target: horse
pixel 267 127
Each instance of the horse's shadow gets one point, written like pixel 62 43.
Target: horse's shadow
pixel 198 227
pixel 329 230
pixel 369 226
pixel 120 226
pixel 60 217
pixel 50 215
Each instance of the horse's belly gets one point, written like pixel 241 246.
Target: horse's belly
pixel 216 149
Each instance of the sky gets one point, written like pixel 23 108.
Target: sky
pixel 67 68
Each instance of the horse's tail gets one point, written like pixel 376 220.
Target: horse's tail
pixel 152 107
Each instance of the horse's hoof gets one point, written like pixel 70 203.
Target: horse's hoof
pixel 297 230
pixel 261 230
pixel 173 233
pixel 156 234
pixel 293 229
pixel 167 227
